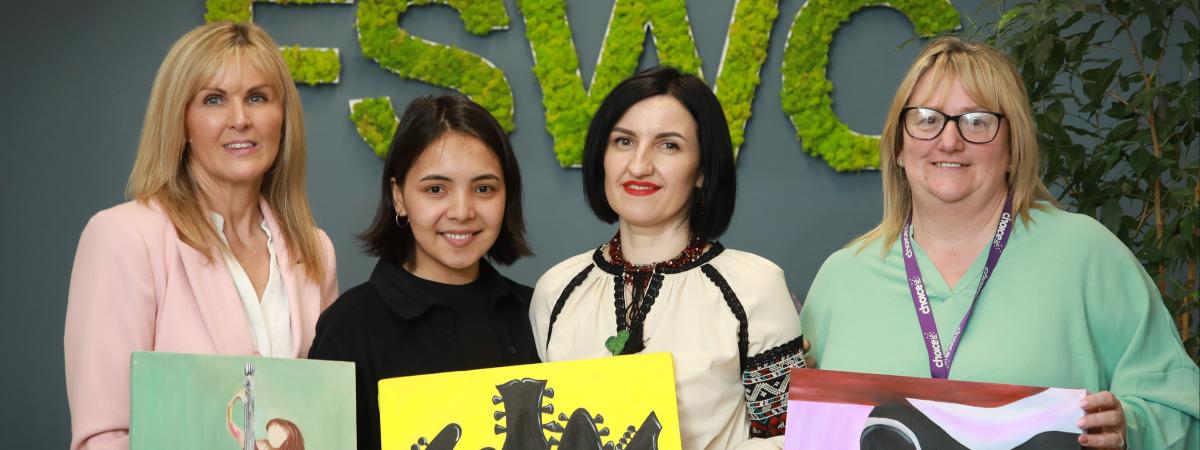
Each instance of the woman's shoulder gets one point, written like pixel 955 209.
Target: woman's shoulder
pixel 858 254
pixel 520 290
pixel 143 221
pixel 359 302
pixel 746 264
pixel 565 270
pixel 753 278
pixel 1045 216
pixel 131 213
pixel 1052 226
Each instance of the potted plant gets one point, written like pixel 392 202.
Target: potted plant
pixel 1114 89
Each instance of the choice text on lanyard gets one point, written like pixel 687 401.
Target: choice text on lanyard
pixel 939 359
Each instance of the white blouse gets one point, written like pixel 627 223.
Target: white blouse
pixel 727 319
pixel 270 317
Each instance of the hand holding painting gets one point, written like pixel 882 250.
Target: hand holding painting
pixel 1104 421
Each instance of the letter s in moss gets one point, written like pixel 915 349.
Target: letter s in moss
pixel 806 89
pixel 311 66
pixel 441 65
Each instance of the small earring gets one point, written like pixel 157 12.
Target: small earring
pixel 397 220
pixel 900 162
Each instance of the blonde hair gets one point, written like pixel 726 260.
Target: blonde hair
pixel 990 78
pixel 160 172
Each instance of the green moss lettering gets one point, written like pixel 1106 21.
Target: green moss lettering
pixel 568 107
pixel 806 89
pixel 441 65
pixel 312 66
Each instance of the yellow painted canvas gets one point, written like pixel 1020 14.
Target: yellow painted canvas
pixel 625 402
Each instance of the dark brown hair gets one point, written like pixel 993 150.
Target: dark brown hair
pixel 425 121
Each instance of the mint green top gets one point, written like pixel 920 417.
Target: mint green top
pixel 1068 306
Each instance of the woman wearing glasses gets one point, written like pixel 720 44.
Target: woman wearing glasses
pixel 974 268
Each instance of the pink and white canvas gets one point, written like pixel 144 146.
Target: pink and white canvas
pixel 831 410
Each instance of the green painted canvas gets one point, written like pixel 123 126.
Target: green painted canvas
pixel 184 402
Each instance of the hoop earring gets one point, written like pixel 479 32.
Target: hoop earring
pixel 401 225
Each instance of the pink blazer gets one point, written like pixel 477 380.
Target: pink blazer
pixel 135 286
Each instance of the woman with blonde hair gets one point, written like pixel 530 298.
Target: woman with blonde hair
pixel 1022 292
pixel 217 252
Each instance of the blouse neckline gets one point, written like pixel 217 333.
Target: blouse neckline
pixel 616 269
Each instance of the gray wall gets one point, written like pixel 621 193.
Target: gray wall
pixel 75 80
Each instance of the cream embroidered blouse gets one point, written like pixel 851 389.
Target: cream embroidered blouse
pixel 727 319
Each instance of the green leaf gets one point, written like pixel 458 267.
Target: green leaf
pixel 1151 44
pixel 1042 52
pixel 1097 81
pixel 616 344
pixel 1111 214
pixel 1121 131
pixel 1139 159
pixel 1009 15
pixel 1055 112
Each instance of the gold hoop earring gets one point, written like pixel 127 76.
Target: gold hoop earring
pixel 397 220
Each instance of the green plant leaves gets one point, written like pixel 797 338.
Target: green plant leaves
pixel 1131 156
pixel 1096 81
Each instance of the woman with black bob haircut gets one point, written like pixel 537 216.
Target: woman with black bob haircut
pixel 717 194
pixel 451 194
pixel 658 161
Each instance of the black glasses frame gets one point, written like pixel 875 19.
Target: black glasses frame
pixel 948 118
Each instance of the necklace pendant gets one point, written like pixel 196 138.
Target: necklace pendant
pixel 616 344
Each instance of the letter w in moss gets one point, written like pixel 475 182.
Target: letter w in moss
pixel 568 107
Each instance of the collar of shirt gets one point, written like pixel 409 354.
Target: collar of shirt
pixel 397 288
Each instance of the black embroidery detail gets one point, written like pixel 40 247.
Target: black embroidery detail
pixel 765 378
pixel 787 349
pixel 619 300
pixel 562 300
pixel 735 306
pixel 637 327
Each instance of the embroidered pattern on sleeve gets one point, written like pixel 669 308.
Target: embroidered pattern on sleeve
pixel 765 377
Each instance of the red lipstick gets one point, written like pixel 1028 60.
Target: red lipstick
pixel 640 188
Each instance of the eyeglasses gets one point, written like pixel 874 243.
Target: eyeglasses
pixel 976 127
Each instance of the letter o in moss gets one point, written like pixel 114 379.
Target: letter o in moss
pixel 806 89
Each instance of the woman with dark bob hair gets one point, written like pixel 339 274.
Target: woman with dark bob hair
pixel 658 161
pixel 450 195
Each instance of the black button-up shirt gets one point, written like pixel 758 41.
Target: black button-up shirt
pixel 398 325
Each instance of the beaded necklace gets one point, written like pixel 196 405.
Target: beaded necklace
pixel 693 251
pixel 639 277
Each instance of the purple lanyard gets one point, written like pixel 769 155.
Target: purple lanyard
pixel 939 365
